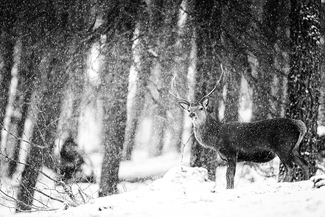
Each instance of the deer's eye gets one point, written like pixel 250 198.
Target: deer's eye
pixel 201 108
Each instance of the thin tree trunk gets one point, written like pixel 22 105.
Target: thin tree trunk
pixel 25 88
pixel 141 65
pixel 322 62
pixel 7 54
pixel 73 95
pixel 163 35
pixel 179 69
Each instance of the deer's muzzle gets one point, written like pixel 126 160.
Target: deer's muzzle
pixel 192 115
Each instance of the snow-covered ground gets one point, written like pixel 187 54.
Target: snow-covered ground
pixel 185 191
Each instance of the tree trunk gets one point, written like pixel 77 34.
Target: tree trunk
pixel 207 21
pixel 7 55
pixel 304 76
pixel 141 65
pixel 163 24
pixel 262 93
pixel 52 63
pixel 232 97
pixel 26 78
pixel 69 120
pixel 322 62
pixel 114 95
pixel 181 49
pixel 44 133
pixel 117 62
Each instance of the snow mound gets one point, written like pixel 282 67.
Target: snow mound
pixel 185 191
pixel 184 174
pixel 188 181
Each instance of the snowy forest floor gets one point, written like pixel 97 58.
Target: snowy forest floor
pixel 185 191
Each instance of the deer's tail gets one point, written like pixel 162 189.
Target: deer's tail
pixel 302 131
pixel 296 150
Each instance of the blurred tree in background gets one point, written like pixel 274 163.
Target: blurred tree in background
pixel 111 67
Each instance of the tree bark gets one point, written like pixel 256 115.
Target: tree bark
pixel 304 76
pixel 207 27
pixel 51 77
pixel 44 134
pixel 141 65
pixel 25 86
pixel 117 62
pixel 7 43
pixel 232 97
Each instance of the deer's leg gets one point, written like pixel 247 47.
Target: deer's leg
pixel 288 164
pixel 214 188
pixel 230 174
pixel 288 176
pixel 301 162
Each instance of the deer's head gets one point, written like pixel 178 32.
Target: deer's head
pixel 197 111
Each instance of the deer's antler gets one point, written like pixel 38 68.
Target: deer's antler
pixel 176 95
pixel 217 84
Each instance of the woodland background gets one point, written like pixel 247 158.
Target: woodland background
pixel 102 72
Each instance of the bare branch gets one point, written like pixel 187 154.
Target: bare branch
pixel 49 196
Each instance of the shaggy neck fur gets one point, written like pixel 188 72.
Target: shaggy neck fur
pixel 207 133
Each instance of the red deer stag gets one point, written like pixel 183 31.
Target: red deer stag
pixel 256 142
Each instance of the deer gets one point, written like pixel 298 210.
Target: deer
pixel 257 142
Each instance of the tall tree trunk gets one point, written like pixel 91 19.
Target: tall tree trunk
pixel 207 22
pixel 322 62
pixel 117 63
pixel 141 67
pixel 7 43
pixel 46 26
pixel 181 49
pixel 232 97
pixel 26 78
pixel 114 95
pixel 304 76
pixel 51 78
pixel 262 94
pixel 74 90
pixel 163 26
pixel 50 94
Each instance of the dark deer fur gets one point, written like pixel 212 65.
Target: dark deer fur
pixel 255 142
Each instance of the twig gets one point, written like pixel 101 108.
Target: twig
pixel 81 195
pixel 68 191
pixel 7 195
pixel 21 139
pixel 49 196
pixel 184 145
pixel 185 11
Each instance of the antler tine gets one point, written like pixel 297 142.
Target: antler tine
pixel 176 96
pixel 217 84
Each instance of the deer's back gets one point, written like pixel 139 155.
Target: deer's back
pixel 260 138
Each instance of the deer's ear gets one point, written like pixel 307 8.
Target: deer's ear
pixel 184 105
pixel 205 102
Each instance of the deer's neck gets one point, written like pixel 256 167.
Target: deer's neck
pixel 207 134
